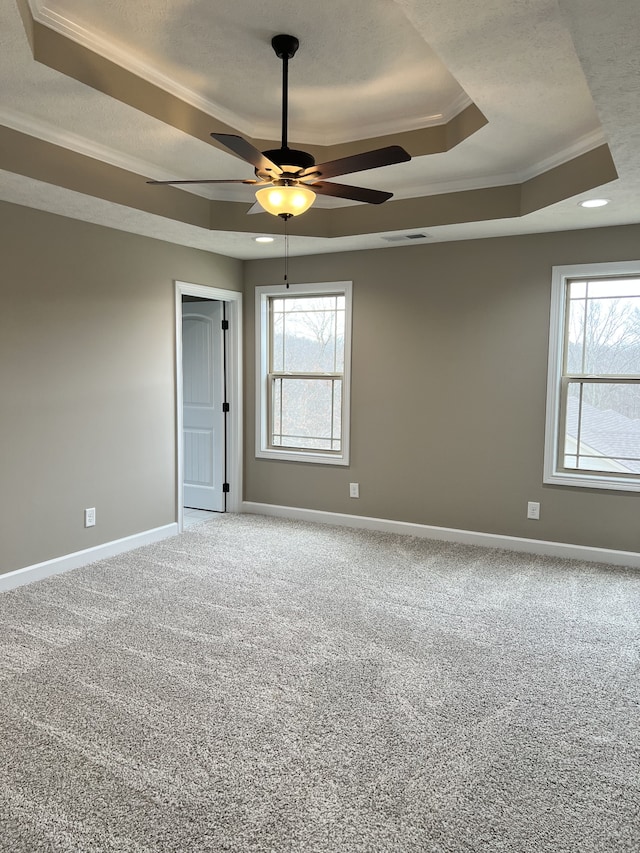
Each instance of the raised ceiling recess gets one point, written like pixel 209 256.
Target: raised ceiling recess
pixel 491 103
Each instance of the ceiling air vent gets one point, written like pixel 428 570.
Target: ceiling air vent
pixel 401 238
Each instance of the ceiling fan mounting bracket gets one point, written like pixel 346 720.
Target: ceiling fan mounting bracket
pixel 285 46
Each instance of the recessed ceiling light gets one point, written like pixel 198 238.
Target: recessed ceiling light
pixel 264 239
pixel 594 202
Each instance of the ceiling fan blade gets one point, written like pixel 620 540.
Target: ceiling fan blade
pixel 245 149
pixel 179 181
pixel 359 162
pixel 352 193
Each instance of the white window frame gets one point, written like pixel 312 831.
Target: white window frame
pixel 553 470
pixel 263 450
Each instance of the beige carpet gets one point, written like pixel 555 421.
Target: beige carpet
pixel 263 685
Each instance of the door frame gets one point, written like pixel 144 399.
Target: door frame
pixel 233 300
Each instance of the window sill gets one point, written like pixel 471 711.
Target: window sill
pixel 593 481
pixel 307 456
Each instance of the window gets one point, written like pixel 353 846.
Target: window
pixel 303 365
pixel 593 394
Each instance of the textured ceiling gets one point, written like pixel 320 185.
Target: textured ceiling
pixel 519 100
pixel 364 56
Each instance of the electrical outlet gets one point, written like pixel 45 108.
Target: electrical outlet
pixel 354 490
pixel 90 517
pixel 533 510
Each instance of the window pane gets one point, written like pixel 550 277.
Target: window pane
pixel 308 334
pixel 276 413
pixel 277 339
pixel 576 329
pixel 603 427
pixel 613 287
pixel 577 289
pixel 604 327
pixel 337 412
pixel 303 413
pixel 612 336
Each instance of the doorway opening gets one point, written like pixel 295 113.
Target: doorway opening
pixel 208 402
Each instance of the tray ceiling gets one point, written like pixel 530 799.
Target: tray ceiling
pixel 512 113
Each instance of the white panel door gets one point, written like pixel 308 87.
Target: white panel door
pixel 203 418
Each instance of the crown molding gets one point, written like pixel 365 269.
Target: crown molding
pixel 80 145
pixel 87 147
pixel 97 44
pixel 589 142
pixel 380 128
pixel 103 47
pixel 581 146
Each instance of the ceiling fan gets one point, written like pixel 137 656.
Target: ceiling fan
pixel 287 179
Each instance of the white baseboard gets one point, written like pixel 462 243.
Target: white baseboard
pixel 10 580
pixel 449 534
pixel 37 572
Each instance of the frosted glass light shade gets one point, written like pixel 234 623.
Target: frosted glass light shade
pixel 285 201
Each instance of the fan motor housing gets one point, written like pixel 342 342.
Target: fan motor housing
pixel 284 157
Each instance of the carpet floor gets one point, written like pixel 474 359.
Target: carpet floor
pixel 258 684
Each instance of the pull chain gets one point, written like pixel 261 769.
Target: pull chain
pixel 286 252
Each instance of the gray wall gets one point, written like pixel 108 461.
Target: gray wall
pixel 449 372
pixel 448 390
pixel 87 380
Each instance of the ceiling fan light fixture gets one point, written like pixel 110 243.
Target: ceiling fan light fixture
pixel 285 201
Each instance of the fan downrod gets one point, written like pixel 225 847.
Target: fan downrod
pixel 291 160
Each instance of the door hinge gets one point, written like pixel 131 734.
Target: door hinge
pixel 225 407
pixel 225 325
pixel 225 487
